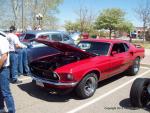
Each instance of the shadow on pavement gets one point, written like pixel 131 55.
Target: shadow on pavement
pixel 112 79
pixel 125 104
pixel 42 94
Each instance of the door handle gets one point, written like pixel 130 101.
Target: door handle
pixel 131 52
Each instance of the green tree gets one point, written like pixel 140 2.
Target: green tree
pixel 76 26
pixel 125 26
pixel 110 19
pixel 70 26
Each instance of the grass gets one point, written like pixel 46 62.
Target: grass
pixel 145 44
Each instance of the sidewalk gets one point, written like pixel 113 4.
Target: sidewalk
pixel 146 60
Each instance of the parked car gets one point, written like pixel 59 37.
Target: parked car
pixel 7 31
pixel 18 34
pixel 76 37
pixel 3 34
pixel 140 93
pixel 28 36
pixel 82 68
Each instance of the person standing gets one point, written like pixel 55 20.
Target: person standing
pixel 5 93
pixel 23 68
pixel 13 45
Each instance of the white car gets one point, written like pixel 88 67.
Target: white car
pixel 59 36
pixel 3 34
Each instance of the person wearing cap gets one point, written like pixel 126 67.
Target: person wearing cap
pixel 5 93
pixel 13 45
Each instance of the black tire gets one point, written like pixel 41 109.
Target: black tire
pixel 134 69
pixel 139 95
pixel 87 86
pixel 33 82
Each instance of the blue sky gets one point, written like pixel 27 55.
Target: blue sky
pixel 68 8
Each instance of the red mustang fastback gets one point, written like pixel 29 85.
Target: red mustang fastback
pixel 82 67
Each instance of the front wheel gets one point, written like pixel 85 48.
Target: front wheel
pixel 140 92
pixel 86 88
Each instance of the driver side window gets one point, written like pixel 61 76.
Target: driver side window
pixel 119 48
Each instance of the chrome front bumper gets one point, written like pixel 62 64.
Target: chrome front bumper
pixel 54 83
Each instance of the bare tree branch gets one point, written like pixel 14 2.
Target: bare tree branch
pixel 143 12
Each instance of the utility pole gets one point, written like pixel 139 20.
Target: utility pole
pixel 22 15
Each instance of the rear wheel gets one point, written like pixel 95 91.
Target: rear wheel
pixel 140 92
pixel 86 88
pixel 134 69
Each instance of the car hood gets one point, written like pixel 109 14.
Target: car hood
pixel 63 47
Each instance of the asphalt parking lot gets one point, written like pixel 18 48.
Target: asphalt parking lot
pixel 112 96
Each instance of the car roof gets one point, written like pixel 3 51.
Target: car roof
pixel 42 31
pixel 105 40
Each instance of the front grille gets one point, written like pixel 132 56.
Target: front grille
pixel 45 74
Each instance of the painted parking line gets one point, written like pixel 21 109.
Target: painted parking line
pixel 106 94
pixel 25 78
pixel 143 67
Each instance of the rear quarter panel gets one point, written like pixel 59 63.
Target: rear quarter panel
pixel 137 52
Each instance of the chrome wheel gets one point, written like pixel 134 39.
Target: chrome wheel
pixel 90 86
pixel 136 65
pixel 87 87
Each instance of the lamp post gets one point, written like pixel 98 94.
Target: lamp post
pixel 22 15
pixel 39 17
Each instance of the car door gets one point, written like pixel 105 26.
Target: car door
pixel 102 60
pixel 127 57
pixel 120 59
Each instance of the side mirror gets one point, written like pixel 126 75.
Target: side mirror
pixel 113 53
pixel 30 45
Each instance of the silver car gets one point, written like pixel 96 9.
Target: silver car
pixel 60 36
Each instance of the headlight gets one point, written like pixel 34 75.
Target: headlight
pixel 55 75
pixel 69 76
pixel 66 76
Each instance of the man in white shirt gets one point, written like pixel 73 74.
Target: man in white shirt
pixel 5 93
pixel 14 43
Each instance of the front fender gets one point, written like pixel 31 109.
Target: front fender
pixel 80 75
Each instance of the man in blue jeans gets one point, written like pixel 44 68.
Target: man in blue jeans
pixel 5 93
pixel 23 68
pixel 14 44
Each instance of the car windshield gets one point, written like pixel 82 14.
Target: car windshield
pixel 27 36
pixel 97 48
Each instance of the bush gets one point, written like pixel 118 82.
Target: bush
pixel 93 36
